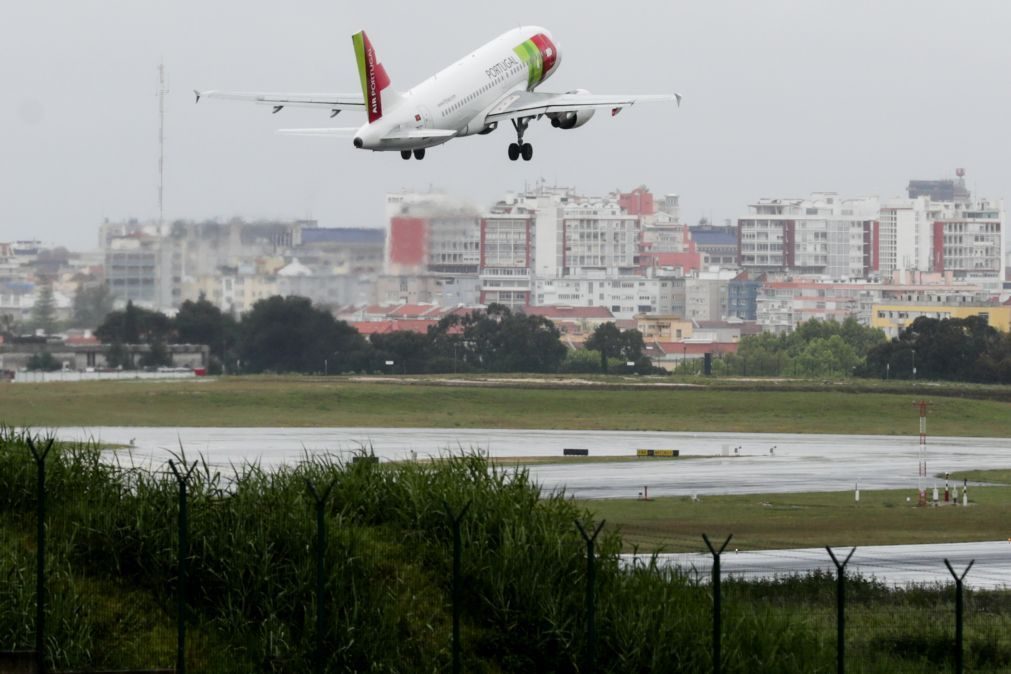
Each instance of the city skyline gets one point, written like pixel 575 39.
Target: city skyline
pixel 779 98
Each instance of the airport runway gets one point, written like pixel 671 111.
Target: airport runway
pixel 891 564
pixel 795 462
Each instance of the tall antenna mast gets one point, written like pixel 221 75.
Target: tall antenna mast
pixel 162 90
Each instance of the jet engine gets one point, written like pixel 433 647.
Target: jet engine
pixel 571 120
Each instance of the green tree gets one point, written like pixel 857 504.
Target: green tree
pixel 92 303
pixel 408 350
pixel 580 361
pixel 288 334
pixel 498 340
pixel 8 325
pixel 43 362
pixel 625 345
pixel 135 325
pixel 607 341
pixel 201 322
pixel 44 310
pixel 823 357
pixel 957 349
pixel 157 356
pixel 118 357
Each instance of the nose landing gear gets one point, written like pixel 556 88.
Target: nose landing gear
pixel 519 148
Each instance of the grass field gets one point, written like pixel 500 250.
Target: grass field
pixel 773 521
pixel 754 406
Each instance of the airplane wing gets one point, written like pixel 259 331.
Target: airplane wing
pixel 334 102
pixel 533 103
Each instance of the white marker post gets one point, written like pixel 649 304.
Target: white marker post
pixel 856 492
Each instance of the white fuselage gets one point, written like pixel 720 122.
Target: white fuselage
pixel 459 97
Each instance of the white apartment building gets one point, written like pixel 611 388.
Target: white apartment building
pixel 706 295
pixel 599 238
pixel 507 248
pixel 625 297
pixel 784 304
pixel 824 234
pixel 964 237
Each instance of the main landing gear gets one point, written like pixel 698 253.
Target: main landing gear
pixel 418 154
pixel 519 148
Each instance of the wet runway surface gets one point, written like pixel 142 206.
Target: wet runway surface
pixel 890 564
pixel 711 466
pixel 762 463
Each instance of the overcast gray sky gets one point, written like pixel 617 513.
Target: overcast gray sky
pixel 782 97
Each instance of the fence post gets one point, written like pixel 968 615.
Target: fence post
pixel 183 478
pixel 717 601
pixel 457 554
pixel 40 552
pixel 840 600
pixel 590 654
pixel 959 662
pixel 320 500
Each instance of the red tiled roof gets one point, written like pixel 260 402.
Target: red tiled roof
pixel 414 311
pixel 383 327
pixel 691 261
pixel 80 340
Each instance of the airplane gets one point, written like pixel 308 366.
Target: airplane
pixel 473 96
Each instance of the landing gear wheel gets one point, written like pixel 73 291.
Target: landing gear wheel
pixel 419 154
pixel 405 154
pixel 514 151
pixel 527 150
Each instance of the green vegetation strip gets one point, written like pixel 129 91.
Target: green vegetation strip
pixel 309 402
pixel 777 521
pixel 112 570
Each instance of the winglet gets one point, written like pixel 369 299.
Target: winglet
pixel 197 94
pixel 678 97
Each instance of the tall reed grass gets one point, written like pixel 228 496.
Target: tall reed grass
pixel 250 591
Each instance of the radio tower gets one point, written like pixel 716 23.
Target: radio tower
pixel 162 90
pixel 922 468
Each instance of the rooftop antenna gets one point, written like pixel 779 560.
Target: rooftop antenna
pixel 162 90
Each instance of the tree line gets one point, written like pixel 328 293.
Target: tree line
pixel 815 348
pixel 289 334
pixel 952 349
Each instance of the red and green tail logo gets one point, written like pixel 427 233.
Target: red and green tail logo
pixel 539 54
pixel 373 75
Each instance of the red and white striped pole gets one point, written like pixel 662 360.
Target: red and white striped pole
pixel 922 468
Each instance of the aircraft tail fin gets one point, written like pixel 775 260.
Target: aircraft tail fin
pixel 375 80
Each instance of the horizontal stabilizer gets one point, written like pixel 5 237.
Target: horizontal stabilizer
pixel 335 102
pixel 326 132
